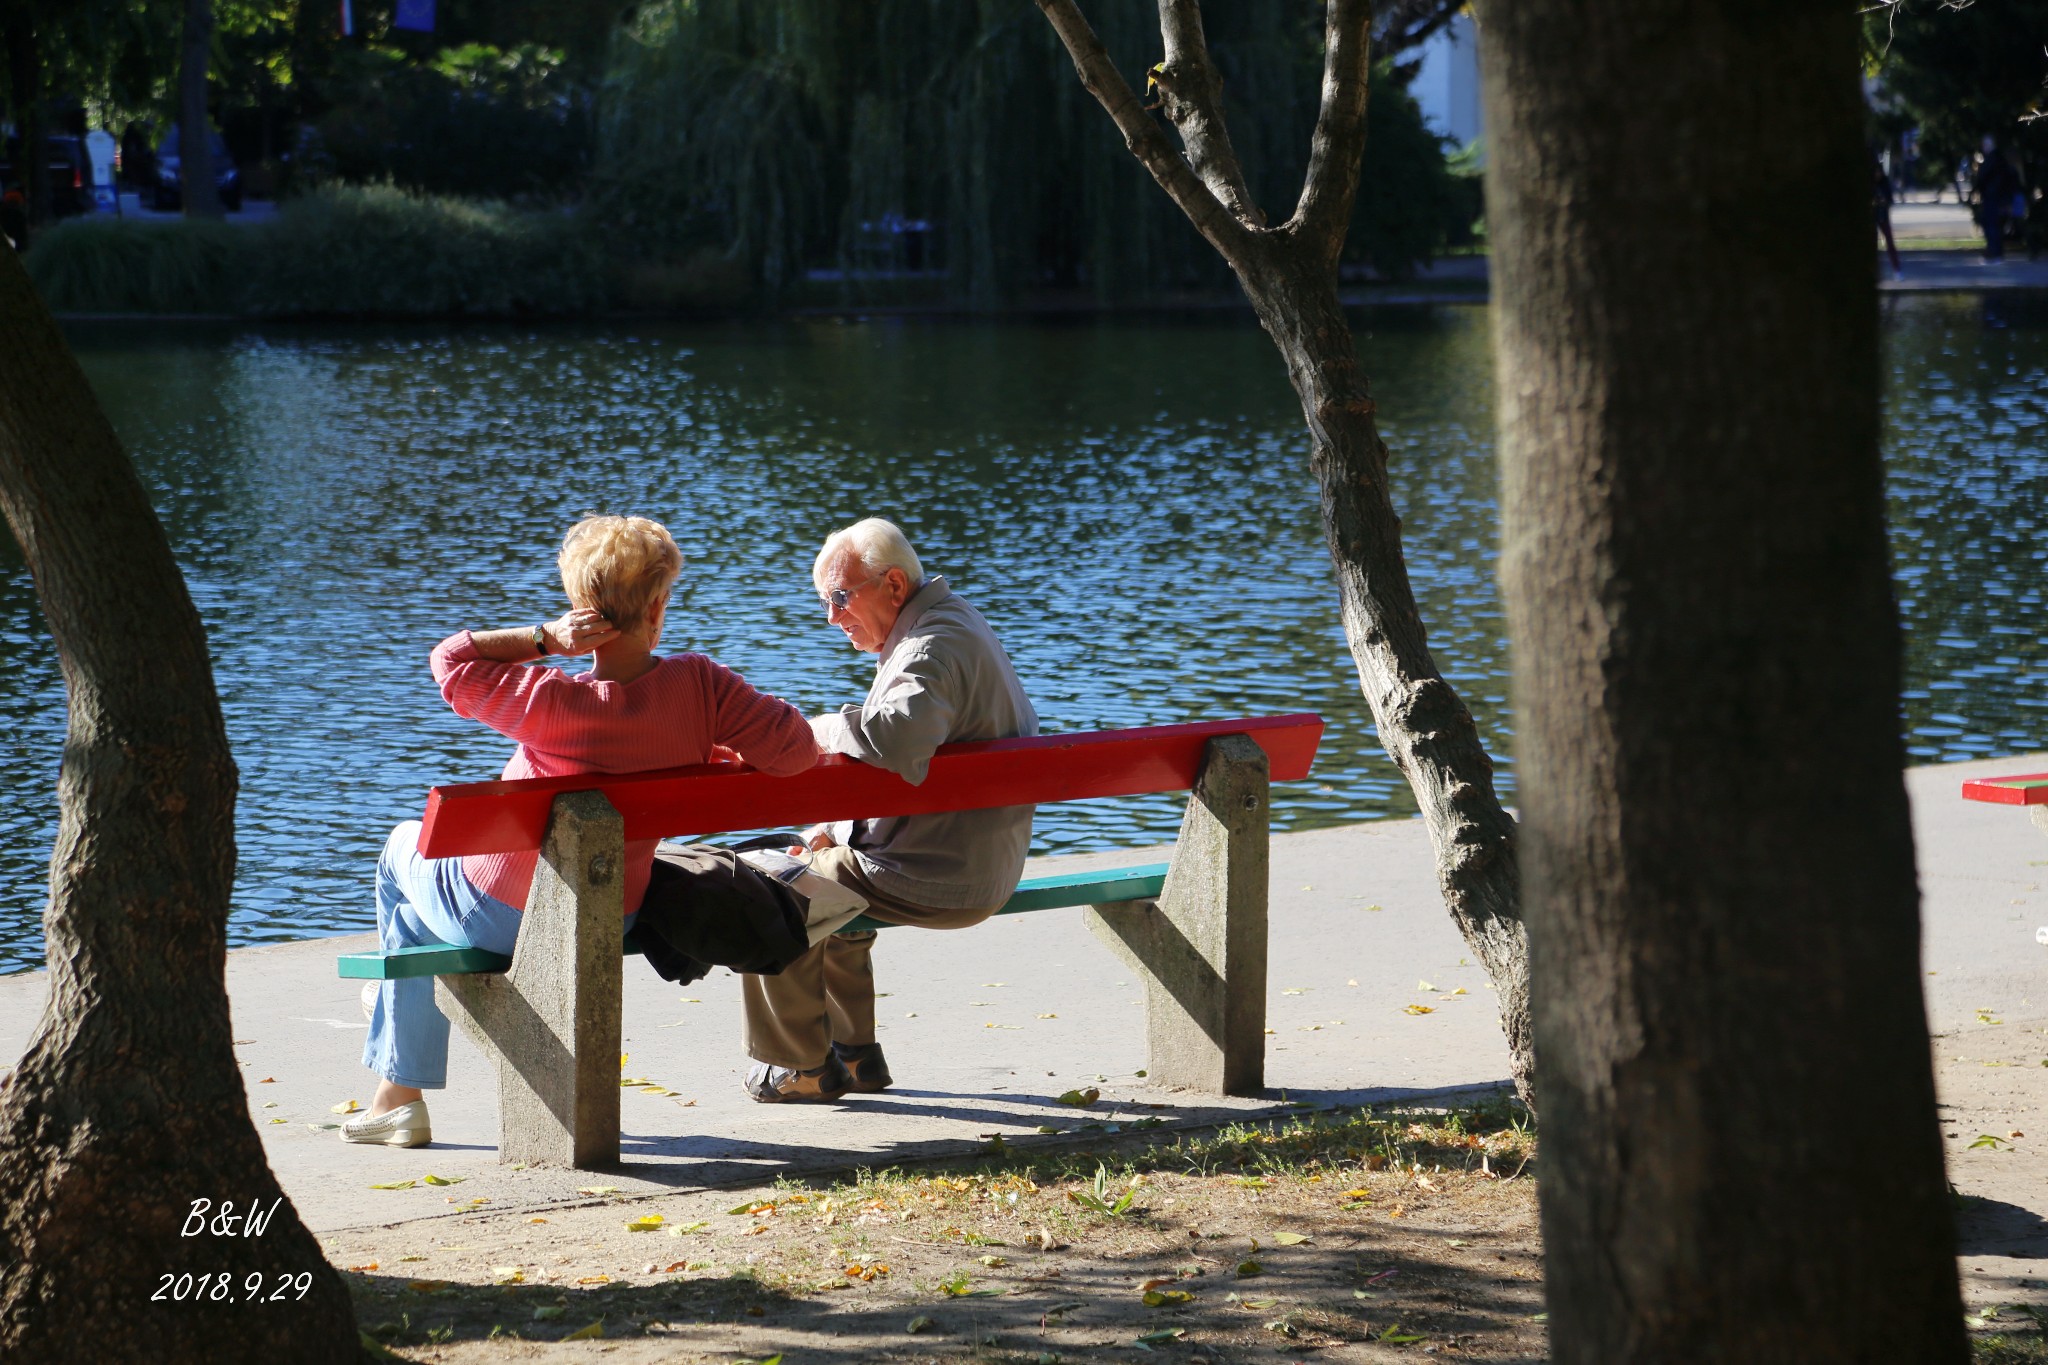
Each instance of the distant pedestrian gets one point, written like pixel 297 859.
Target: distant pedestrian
pixel 1881 206
pixel 1995 187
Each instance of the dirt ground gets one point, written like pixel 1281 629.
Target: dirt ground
pixel 1326 1236
pixel 1330 1235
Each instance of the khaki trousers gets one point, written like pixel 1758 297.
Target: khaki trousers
pixel 827 996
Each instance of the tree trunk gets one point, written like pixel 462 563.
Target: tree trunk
pixel 124 1131
pixel 1423 722
pixel 1289 273
pixel 1741 1160
pixel 195 124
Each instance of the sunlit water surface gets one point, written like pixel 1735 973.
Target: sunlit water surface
pixel 1127 502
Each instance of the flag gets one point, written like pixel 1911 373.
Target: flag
pixel 348 20
pixel 417 15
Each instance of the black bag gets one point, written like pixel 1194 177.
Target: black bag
pixel 705 908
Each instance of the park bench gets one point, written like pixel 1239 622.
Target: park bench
pixel 2028 789
pixel 1194 929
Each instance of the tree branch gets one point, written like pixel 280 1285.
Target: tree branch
pixel 1142 136
pixel 1326 191
pixel 1192 98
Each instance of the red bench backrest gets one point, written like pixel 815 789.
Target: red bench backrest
pixel 503 817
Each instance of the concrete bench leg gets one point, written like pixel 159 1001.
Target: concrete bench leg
pixel 1202 947
pixel 552 1021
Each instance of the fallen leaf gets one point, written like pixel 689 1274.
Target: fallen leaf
pixel 1080 1099
pixel 428 1286
pixel 595 1279
pixel 268 1080
pixel 396 1185
pixel 1162 1336
pixel 1424 986
pixel 549 1312
pixel 1289 1239
pixel 751 1206
pixel 681 1228
pixel 443 1179
pixel 1247 1269
pixel 508 1274
pixel 591 1333
pixel 597 1189
pixel 920 1323
pixel 647 1222
pixel 992 1262
pixel 1048 1016
pixel 346 1107
pixel 536 1220
pixel 371 1266
pixel 1419 1009
pixel 1260 1303
pixel 1159 1282
pixel 1167 1298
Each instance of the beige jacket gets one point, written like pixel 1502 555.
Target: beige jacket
pixel 942 677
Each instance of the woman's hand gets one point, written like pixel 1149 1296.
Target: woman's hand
pixel 579 631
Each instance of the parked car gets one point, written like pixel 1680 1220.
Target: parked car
pixel 70 174
pixel 170 188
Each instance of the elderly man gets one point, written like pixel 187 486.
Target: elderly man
pixel 941 677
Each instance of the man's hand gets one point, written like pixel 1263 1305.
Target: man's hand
pixel 815 838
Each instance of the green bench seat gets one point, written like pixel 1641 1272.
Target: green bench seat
pixel 1035 893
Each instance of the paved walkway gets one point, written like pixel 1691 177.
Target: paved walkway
pixel 986 1028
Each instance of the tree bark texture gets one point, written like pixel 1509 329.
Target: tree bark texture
pixel 128 1105
pixel 195 124
pixel 1741 1160
pixel 1289 273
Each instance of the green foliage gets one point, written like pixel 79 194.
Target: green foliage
pixel 1099 1198
pixel 475 120
pixel 1962 72
pixel 1410 200
pixel 379 251
pixel 807 133
pixel 344 252
pixel 99 264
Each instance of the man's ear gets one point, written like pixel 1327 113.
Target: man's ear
pixel 899 587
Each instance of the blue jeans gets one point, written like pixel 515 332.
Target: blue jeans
pixel 421 901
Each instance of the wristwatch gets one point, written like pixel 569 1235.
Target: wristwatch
pixel 540 639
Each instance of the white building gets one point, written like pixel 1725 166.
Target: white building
pixel 1447 87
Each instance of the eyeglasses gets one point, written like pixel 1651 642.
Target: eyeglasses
pixel 835 599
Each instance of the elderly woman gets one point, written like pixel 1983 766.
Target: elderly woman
pixel 631 711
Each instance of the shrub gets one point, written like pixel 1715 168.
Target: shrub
pixel 346 252
pixel 117 265
pixel 376 251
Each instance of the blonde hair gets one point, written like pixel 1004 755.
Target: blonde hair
pixel 877 544
pixel 621 566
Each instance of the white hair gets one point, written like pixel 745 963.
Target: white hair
pixel 879 545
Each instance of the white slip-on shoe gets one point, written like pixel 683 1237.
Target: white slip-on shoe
pixel 405 1126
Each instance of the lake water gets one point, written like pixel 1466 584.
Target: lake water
pixel 1127 502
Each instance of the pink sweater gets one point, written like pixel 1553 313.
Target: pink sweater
pixel 687 709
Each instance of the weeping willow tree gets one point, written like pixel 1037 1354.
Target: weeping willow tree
pixel 799 133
